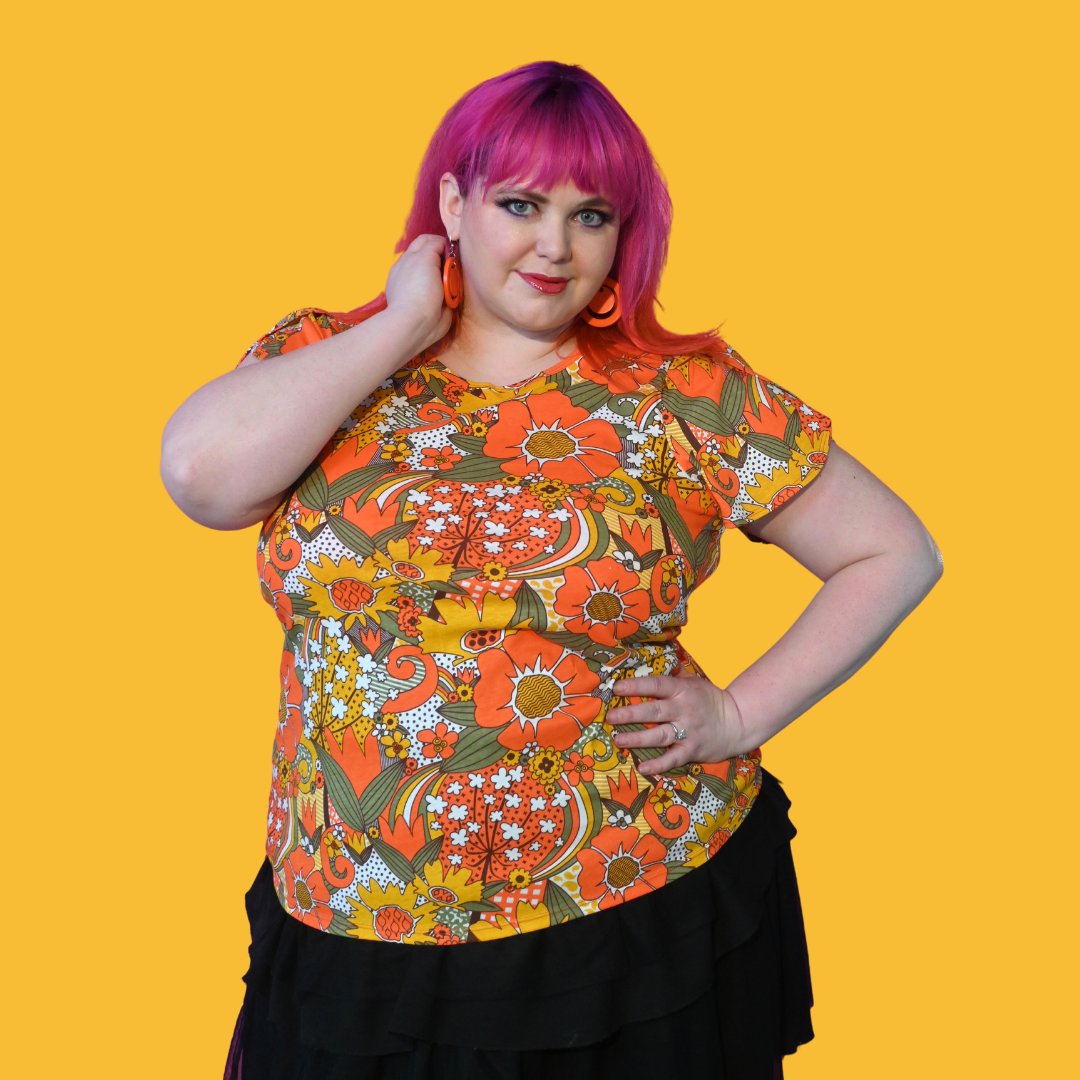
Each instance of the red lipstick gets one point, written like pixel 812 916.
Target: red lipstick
pixel 543 283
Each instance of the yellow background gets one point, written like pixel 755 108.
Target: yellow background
pixel 877 201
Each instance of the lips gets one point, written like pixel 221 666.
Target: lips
pixel 543 283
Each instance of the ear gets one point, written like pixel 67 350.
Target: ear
pixel 451 203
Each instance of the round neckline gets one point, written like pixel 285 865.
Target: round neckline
pixel 555 368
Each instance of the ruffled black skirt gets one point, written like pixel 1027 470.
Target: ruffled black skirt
pixel 707 977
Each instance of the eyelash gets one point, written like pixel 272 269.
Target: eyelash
pixel 505 204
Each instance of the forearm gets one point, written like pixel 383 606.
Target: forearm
pixel 848 620
pixel 238 443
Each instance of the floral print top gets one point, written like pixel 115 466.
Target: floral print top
pixel 461 576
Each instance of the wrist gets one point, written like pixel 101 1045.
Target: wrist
pixel 404 333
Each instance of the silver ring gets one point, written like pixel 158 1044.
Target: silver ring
pixel 680 732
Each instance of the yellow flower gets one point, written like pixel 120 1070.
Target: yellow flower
pixel 347 590
pixel 479 428
pixel 464 691
pixel 519 879
pixel 449 889
pixel 390 721
pixel 511 758
pixel 334 511
pixel 388 914
pixel 546 764
pixel 459 632
pixel 495 571
pixel 395 745
pixel 419 566
pixel 550 492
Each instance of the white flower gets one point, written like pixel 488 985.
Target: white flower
pixel 627 558
pixel 535 845
pixel 558 841
pixel 519 545
pixel 489 799
pixel 344 645
pixel 476 779
pixel 655 430
pixel 538 804
pixel 392 694
pixel 369 709
pixel 316 648
pixel 307 707
pixel 501 780
pixel 340 673
pixel 435 525
pixel 560 513
pixel 366 663
pixel 468 488
pixel 481 514
pixel 806 410
pixel 444 490
pixel 547 826
pixel 337 707
pixel 620 818
pixel 458 812
pixel 308 678
pixel 814 425
pixel 549 549
pixel 516 773
pixel 494 528
pixel 512 800
pixel 454 519
pixel 441 507
pixel 495 815
pixel 536 530
pixel 561 799
pixel 333 627
pixel 512 854
pixel 533 513
pixel 493 547
pixel 328 688
pixel 637 460
pixel 454 860
pixel 474 826
pixel 637 437
pixel 497 490
pixel 460 838
pixel 454 788
pixel 505 507
pixel 514 489
pixel 478 502
pixel 418 497
pixel 427 541
pixel 511 830
pixel 436 804
pixel 363 682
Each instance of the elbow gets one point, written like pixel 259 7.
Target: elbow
pixel 193 482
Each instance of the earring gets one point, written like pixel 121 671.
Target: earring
pixel 451 278
pixel 604 308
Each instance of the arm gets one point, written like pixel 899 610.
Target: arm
pixel 237 444
pixel 877 562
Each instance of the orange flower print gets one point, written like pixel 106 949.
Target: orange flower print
pixel 602 600
pixel 620 865
pixel 439 459
pixel 305 891
pixel 438 743
pixel 549 435
pixel 584 499
pixel 536 691
pixel 578 768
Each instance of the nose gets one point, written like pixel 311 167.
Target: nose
pixel 553 241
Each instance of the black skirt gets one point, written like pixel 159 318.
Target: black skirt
pixel 707 977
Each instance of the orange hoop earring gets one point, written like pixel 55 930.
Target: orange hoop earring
pixel 605 307
pixel 451 279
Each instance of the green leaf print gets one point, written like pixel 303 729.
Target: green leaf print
pixel 469 443
pixel 560 907
pixel 670 516
pixel 528 606
pixel 427 854
pixel 724 792
pixel 493 887
pixel 769 445
pixel 733 397
pixel 476 469
pixel 355 481
pixel 377 795
pixel 459 712
pixel 701 412
pixel 341 792
pixel 353 538
pixel 793 429
pixel 476 749
pixel 393 532
pixel 739 460
pixel 481 905
pixel 589 396
pixel 396 863
pixel 313 492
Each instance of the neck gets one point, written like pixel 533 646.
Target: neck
pixel 491 351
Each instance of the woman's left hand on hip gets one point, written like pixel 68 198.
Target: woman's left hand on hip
pixel 680 703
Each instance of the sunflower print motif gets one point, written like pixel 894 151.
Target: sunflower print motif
pixel 462 575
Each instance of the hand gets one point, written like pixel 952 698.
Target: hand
pixel 414 292
pixel 714 727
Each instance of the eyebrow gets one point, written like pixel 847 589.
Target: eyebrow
pixel 540 197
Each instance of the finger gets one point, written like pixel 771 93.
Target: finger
pixel 655 686
pixel 661 735
pixel 671 759
pixel 644 712
pixel 426 240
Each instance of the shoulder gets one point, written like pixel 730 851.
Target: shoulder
pixel 299 328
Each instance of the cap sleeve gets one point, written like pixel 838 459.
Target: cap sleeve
pixel 297 329
pixel 760 444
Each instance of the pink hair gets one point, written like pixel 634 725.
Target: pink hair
pixel 544 124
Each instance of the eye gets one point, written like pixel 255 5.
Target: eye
pixel 592 219
pixel 517 207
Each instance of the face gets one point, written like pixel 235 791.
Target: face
pixel 531 259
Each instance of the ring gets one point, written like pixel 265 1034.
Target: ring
pixel 680 732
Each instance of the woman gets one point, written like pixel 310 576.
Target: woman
pixel 487 496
